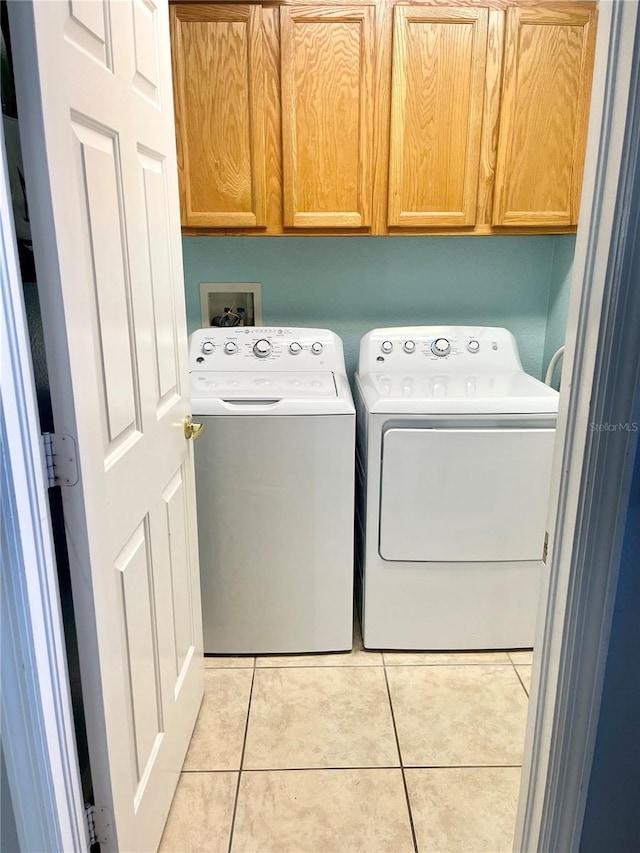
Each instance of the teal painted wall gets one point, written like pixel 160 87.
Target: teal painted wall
pixel 559 291
pixel 353 284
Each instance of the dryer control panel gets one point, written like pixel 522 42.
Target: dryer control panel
pixel 267 348
pixel 419 348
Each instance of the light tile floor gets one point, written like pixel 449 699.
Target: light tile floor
pixel 365 752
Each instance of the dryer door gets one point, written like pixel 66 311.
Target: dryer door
pixel 464 495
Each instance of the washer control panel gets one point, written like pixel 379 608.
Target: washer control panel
pixel 451 347
pixel 276 348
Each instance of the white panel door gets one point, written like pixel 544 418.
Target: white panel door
pixel 96 115
pixel 464 495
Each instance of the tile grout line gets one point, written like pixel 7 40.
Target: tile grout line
pixel 404 780
pixel 359 666
pixel 319 769
pixel 375 665
pixel 515 668
pixel 244 746
pixel 395 732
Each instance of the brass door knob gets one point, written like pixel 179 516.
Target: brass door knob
pixel 192 430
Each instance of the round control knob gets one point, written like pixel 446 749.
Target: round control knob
pixel 262 348
pixel 473 346
pixel 409 346
pixel 230 347
pixel 317 348
pixel 207 347
pixel 295 348
pixel 386 346
pixel 441 346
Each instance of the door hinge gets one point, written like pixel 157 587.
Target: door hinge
pixel 89 819
pixel 99 824
pixel 545 547
pixel 61 466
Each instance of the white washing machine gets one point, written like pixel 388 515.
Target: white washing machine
pixel 454 454
pixel 275 489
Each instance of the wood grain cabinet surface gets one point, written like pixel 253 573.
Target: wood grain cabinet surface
pixel 545 107
pixel 327 115
pixel 382 116
pixel 438 74
pixel 220 114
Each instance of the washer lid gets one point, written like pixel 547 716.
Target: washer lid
pixel 513 392
pixel 258 386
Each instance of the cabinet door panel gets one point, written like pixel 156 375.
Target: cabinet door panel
pixel 219 94
pixel 327 115
pixel 545 106
pixel 439 58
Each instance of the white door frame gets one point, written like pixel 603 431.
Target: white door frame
pixel 592 468
pixel 38 737
pixel 566 675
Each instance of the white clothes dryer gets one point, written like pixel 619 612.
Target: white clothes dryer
pixel 454 451
pixel 275 489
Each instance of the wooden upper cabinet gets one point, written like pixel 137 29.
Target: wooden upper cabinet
pixel 219 102
pixel 382 116
pixel 549 54
pixel 438 76
pixel 327 72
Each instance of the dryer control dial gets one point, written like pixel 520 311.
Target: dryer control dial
pixel 409 346
pixel 473 345
pixel 207 347
pixel 295 348
pixel 441 346
pixel 230 347
pixel 262 348
pixel 317 347
pixel 386 346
